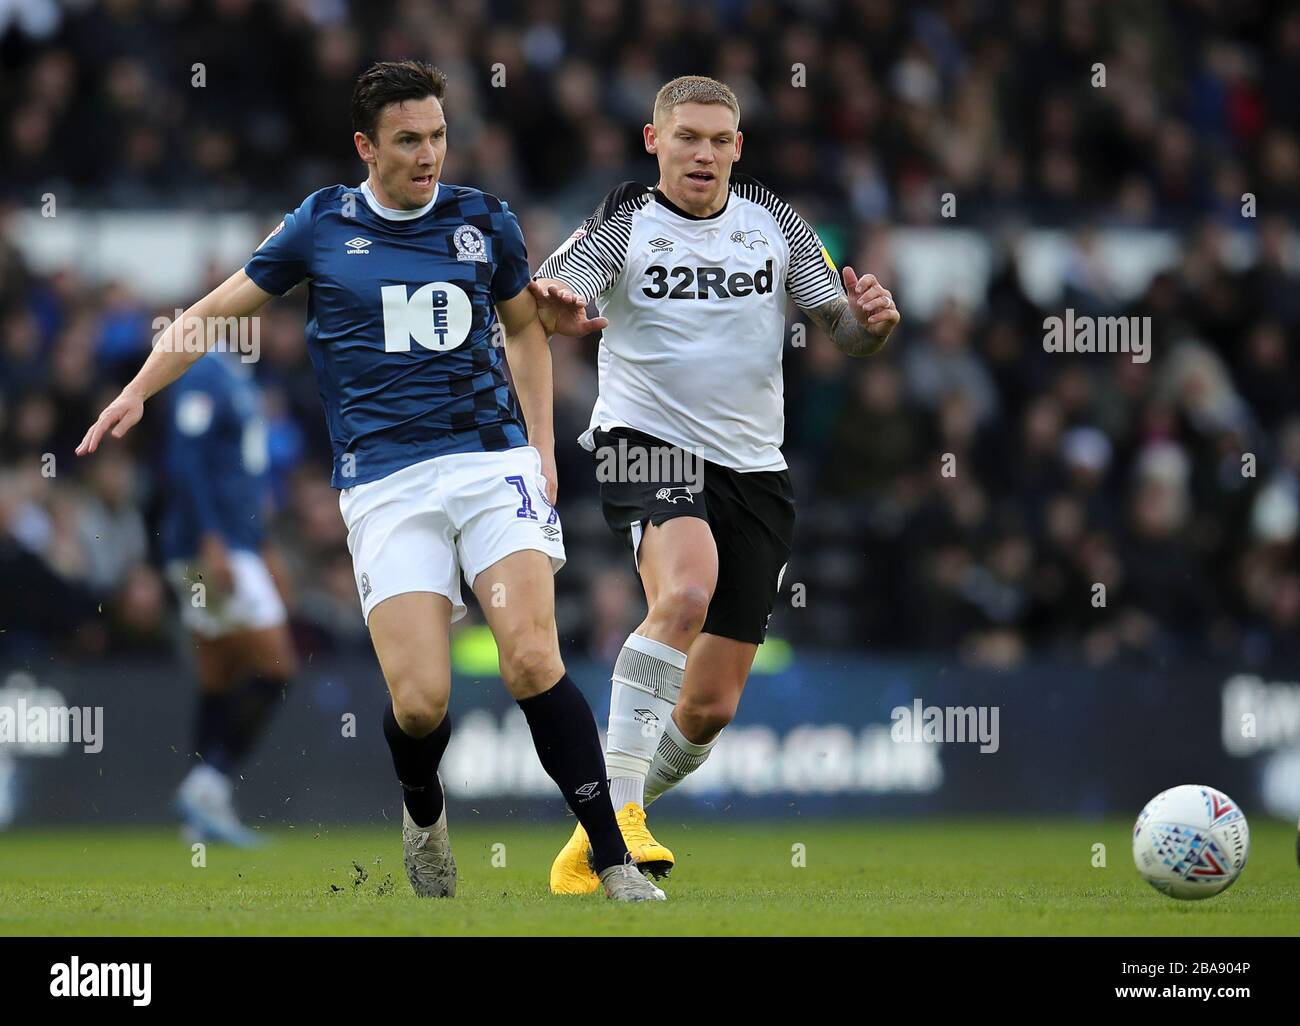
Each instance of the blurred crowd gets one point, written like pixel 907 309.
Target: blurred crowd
pixel 1138 112
pixel 963 492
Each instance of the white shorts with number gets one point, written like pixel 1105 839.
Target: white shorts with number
pixel 422 527
pixel 254 603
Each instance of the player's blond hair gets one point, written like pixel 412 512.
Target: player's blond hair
pixel 693 89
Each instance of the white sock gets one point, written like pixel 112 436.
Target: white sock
pixel 675 759
pixel 646 681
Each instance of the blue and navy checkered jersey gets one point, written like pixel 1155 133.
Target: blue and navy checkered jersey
pixel 400 323
pixel 215 458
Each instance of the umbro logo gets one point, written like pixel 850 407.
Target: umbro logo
pixel 358 245
pixel 661 245
pixel 645 716
pixel 550 531
pixel 587 791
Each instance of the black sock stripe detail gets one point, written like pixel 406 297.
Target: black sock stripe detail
pixel 662 676
pixel 677 759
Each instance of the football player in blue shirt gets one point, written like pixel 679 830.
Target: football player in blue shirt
pixel 411 284
pixel 212 542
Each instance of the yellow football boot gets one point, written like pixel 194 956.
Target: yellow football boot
pixel 571 872
pixel 651 857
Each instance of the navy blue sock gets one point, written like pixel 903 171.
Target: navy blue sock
pixel 250 708
pixel 564 733
pixel 211 731
pixel 416 760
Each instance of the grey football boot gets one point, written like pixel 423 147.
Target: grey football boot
pixel 426 854
pixel 626 883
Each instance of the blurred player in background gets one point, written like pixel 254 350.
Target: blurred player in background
pixel 693 276
pixel 438 475
pixel 212 541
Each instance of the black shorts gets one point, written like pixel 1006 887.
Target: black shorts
pixel 751 516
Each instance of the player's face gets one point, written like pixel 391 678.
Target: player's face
pixel 696 146
pixel 407 152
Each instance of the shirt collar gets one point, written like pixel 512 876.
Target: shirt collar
pixel 666 202
pixel 398 215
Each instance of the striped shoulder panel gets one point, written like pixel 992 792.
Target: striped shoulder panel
pixel 812 278
pixel 592 258
pixel 632 195
pixel 793 227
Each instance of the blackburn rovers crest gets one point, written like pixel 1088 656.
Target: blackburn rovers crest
pixel 469 243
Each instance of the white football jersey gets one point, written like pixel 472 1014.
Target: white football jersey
pixel 696 310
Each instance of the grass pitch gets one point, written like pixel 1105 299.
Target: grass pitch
pixel 1032 877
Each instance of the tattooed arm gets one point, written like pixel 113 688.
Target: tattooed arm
pixel 860 324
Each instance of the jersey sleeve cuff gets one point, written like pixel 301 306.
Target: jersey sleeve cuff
pixel 261 280
pixel 586 289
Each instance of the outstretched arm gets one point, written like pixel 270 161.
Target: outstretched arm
pixel 860 324
pixel 562 310
pixel 237 296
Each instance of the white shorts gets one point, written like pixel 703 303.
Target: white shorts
pixel 421 527
pixel 253 605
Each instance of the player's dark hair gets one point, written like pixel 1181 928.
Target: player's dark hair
pixel 388 82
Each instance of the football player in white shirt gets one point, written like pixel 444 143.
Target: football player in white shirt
pixel 693 277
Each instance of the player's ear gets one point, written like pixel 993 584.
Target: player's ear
pixel 651 139
pixel 740 138
pixel 365 148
